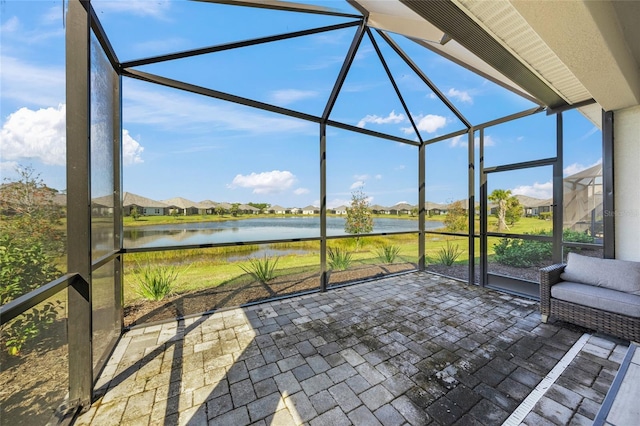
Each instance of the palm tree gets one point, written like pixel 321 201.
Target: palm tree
pixel 501 196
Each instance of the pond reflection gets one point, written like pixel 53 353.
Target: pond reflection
pixel 259 229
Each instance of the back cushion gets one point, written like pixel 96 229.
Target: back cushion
pixel 615 274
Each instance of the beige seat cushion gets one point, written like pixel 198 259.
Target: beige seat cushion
pixel 600 298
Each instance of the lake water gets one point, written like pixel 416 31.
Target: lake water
pixel 259 229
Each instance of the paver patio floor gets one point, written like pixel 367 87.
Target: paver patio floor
pixel 410 349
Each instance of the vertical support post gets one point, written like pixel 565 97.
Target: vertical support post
pixel 422 160
pixel 471 205
pixel 324 279
pixel 608 201
pixel 483 214
pixel 348 60
pixel 117 206
pixel 78 94
pixel 558 193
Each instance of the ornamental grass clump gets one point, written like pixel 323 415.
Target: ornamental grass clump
pixel 155 282
pixel 263 269
pixel 448 255
pixel 339 259
pixel 388 253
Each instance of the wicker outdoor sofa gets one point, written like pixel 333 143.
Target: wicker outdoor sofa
pixel 599 294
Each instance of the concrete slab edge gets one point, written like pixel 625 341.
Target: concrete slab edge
pixel 601 417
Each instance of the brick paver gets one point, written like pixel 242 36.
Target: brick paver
pixel 412 349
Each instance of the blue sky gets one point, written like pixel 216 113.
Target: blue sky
pixel 181 144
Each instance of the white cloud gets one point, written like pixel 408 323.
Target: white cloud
pixel 186 113
pixel 336 202
pixel 289 96
pixel 574 168
pixel 537 190
pixel 265 182
pixel 363 52
pixel 361 177
pixel 11 25
pixel 357 184
pixel 131 149
pixel 30 84
pixel 378 176
pixel 13 30
pixel 462 141
pixel 331 38
pixel 156 8
pixel 459 141
pixel 488 141
pixel 428 123
pixel 301 191
pixel 461 95
pixel 592 131
pixel 37 134
pixel 8 168
pixel 391 118
pixel 52 16
pixel 41 134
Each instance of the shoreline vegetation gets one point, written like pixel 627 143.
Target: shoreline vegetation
pixel 168 220
pixel 213 272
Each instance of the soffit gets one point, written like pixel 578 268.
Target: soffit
pixel 503 22
pixel 596 40
pixel 628 13
pixel 594 113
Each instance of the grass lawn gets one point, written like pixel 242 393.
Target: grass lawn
pixel 526 225
pixel 168 220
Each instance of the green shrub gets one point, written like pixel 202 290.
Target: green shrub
pixel 28 325
pixel 388 253
pixel 359 219
pixel 522 253
pixel 339 259
pixel 135 213
pixel 155 282
pixel 526 253
pixel 30 241
pixel 569 235
pixel 448 255
pixel 457 218
pixel 24 266
pixel 261 269
pixel 545 216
